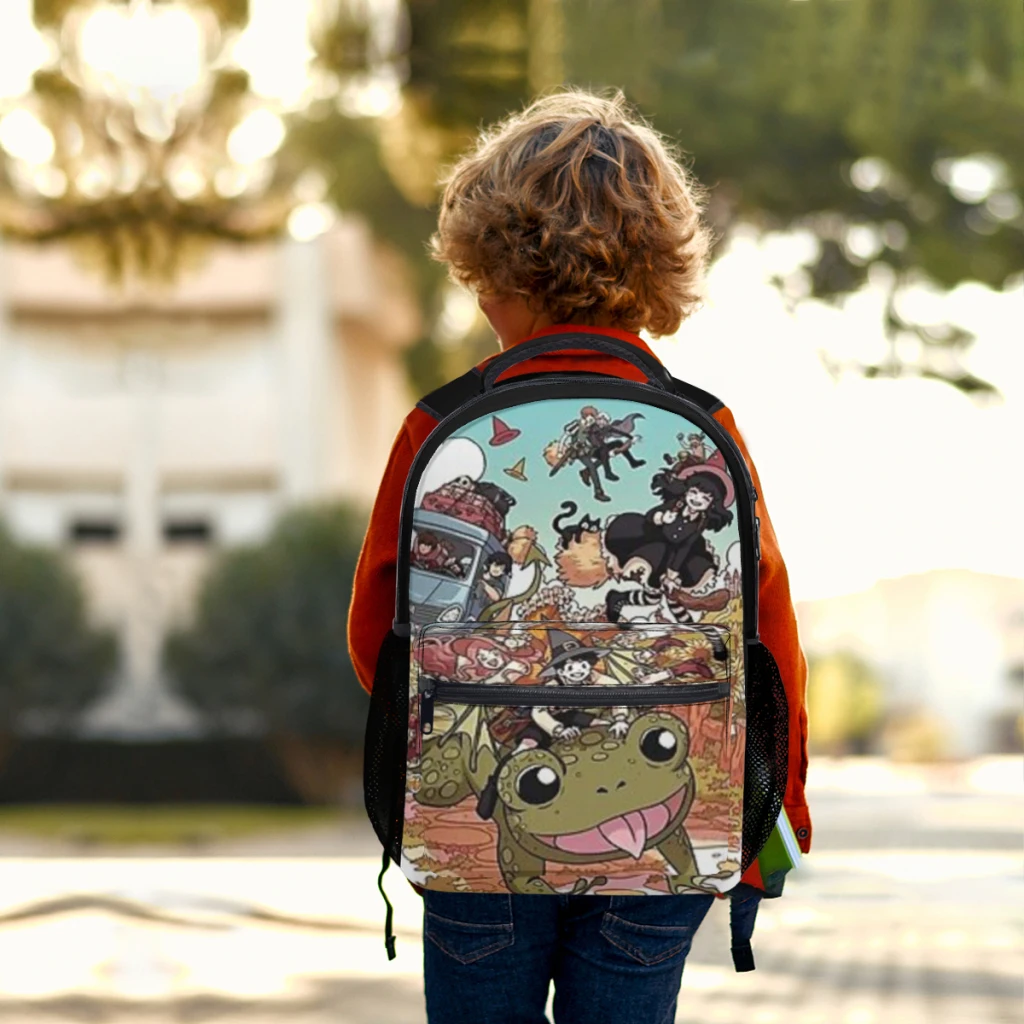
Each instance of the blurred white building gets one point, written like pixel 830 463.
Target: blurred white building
pixel 141 431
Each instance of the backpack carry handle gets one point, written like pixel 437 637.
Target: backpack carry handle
pixel 655 373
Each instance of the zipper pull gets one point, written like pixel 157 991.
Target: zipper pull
pixel 426 705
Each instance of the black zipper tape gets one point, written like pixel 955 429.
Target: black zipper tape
pixel 431 690
pixel 560 386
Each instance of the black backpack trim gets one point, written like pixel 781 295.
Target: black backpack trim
pixel 707 401
pixel 444 400
pixel 450 397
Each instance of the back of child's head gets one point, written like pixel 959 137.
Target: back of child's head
pixel 578 206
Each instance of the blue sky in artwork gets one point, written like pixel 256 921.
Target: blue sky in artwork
pixel 539 497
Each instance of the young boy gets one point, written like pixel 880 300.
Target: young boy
pixel 572 214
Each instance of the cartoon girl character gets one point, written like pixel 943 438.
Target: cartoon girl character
pixel 482 660
pixel 668 540
pixel 437 656
pixel 523 646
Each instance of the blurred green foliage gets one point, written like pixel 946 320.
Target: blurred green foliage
pixel 268 634
pixel 844 704
pixel 135 825
pixel 821 114
pixel 53 663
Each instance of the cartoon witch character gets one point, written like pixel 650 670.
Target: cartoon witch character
pixel 665 548
pixel 572 663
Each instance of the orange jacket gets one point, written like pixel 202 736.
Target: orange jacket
pixel 373 594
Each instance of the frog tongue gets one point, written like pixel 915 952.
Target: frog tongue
pixel 628 833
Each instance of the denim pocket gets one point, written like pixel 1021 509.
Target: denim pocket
pixel 654 929
pixel 468 926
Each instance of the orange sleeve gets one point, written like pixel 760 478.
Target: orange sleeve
pixel 778 627
pixel 372 608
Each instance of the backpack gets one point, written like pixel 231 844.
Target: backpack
pixel 573 697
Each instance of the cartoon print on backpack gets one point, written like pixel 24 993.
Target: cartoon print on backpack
pixel 665 549
pixel 573 662
pixel 486 769
pixel 589 806
pixel 466 564
pixel 666 562
pixel 592 439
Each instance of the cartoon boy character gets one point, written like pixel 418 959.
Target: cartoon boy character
pixel 493 581
pixel 692 452
pixel 574 664
pixel 571 664
pixel 433 554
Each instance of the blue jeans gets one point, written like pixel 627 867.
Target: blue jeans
pixel 488 959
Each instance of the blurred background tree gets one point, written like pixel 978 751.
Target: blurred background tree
pixel 893 132
pixel 266 649
pixel 844 702
pixel 53 663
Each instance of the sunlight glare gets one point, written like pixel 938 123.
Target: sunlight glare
pixel 25 137
pixel 22 49
pixel 158 53
pixel 274 49
pixel 971 179
pixel 309 221
pixel 257 136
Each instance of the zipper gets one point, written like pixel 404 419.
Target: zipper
pixel 524 625
pixel 431 690
pixel 495 400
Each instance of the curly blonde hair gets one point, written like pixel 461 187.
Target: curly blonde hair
pixel 579 206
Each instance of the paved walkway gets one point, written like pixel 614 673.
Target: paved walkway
pixel 908 912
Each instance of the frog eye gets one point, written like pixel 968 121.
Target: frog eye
pixel 659 745
pixel 538 784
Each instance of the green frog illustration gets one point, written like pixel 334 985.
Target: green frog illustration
pixel 585 800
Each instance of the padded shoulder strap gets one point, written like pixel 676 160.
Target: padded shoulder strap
pixel 704 399
pixel 443 401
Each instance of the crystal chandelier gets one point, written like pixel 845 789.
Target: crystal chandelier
pixel 144 134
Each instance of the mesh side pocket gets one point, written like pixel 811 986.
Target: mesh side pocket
pixel 386 745
pixel 767 761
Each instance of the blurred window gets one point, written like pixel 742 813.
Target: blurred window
pixel 188 531
pixel 94 531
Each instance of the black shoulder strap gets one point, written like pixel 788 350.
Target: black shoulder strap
pixel 443 401
pixel 704 399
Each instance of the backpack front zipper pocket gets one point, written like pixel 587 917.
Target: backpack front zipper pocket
pixel 525 665
pixel 431 690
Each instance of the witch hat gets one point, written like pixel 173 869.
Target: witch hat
pixel 517 471
pixel 565 646
pixel 715 465
pixel 502 433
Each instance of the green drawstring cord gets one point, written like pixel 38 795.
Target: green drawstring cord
pixel 389 935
